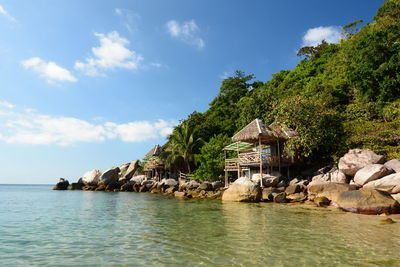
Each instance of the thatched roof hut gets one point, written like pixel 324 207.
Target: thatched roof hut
pixel 254 131
pixel 283 132
pixel 154 152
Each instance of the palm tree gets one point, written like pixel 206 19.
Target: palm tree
pixel 182 144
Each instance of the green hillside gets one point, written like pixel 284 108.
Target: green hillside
pixel 339 96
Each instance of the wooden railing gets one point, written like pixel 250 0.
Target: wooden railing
pixel 231 164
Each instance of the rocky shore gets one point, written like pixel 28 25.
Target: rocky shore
pixel 362 182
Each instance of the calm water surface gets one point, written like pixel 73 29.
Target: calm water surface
pixel 39 226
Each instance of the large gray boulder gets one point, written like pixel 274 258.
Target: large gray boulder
pixel 243 190
pixel 133 166
pixel 370 173
pixel 123 168
pixel 366 201
pixel 110 176
pixel 137 179
pixel 338 176
pixel 327 189
pixel 91 177
pixel 390 184
pixel 356 159
pixel 393 164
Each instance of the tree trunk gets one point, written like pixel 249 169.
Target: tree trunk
pixel 188 166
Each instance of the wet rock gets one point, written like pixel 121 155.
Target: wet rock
pixel 62 184
pixel 366 201
pixel 171 190
pixel 281 184
pixel 215 195
pixel 91 177
pixel 127 187
pixel 100 187
pixel 393 164
pixel 322 201
pixel 242 190
pixel 389 183
pixel 193 184
pixel 370 173
pixel 110 176
pixel 357 159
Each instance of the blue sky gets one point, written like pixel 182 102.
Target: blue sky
pixel 94 84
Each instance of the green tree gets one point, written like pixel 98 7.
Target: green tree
pixel 182 145
pixel 211 158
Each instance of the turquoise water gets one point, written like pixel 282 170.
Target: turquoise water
pixel 39 226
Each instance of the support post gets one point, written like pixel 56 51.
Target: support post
pixel 260 151
pixel 226 172
pixel 279 157
pixel 238 163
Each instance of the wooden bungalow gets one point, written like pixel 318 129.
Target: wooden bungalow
pixel 154 166
pixel 259 147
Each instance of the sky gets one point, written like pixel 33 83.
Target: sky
pixel 94 84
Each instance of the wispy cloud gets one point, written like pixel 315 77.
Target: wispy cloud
pixel 49 70
pixel 128 18
pixel 32 128
pixel 4 12
pixel 156 65
pixel 6 104
pixel 187 32
pixel 111 54
pixel 314 36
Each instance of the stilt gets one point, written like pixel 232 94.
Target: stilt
pixel 279 157
pixel 259 143
pixel 288 174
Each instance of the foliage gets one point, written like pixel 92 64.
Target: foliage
pixel 339 96
pixel 211 158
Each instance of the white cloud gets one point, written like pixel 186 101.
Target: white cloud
pixel 111 54
pixel 128 18
pixel 6 104
pixel 33 128
pixel 48 70
pixel 314 36
pixel 4 12
pixel 156 64
pixel 186 32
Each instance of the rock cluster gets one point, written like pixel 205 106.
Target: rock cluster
pixel 363 182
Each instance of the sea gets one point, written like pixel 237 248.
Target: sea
pixel 43 227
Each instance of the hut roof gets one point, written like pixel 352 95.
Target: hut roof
pixel 283 132
pixel 155 151
pixel 255 130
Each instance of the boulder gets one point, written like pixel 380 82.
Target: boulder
pixel 242 190
pixel 280 197
pixel 271 181
pixel 297 197
pixel 294 181
pixel 169 183
pixel 321 178
pixel 130 171
pixel 366 201
pixel 110 176
pixel 179 194
pixel 322 201
pixel 123 168
pixel 62 184
pixel 138 179
pixel 356 159
pixel 389 183
pixel 91 177
pixel 328 189
pixel 148 184
pixel 293 189
pixel 205 186
pixel 75 186
pixel 217 185
pixel 127 187
pixel 338 176
pixel 281 184
pixel 393 164
pixel 267 194
pixel 396 197
pixel 170 190
pixel 193 184
pixel 370 173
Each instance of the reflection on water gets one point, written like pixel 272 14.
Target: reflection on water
pixel 40 226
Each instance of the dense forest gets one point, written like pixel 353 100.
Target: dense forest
pixel 339 96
